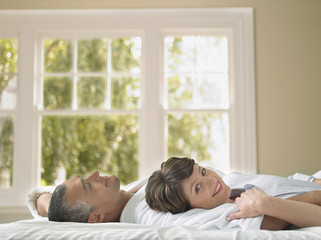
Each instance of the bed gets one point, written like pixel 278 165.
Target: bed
pixel 41 228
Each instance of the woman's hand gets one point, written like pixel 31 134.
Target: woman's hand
pixel 251 204
pixel 301 214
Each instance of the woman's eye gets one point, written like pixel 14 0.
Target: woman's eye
pixel 197 188
pixel 203 171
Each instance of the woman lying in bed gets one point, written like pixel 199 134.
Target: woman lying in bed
pixel 181 185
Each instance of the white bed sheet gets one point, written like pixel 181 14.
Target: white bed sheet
pixel 39 229
pixel 43 229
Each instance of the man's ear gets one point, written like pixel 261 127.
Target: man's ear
pixel 96 216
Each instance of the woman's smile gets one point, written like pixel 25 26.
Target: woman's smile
pixel 217 189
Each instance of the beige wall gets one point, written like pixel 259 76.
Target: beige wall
pixel 288 73
pixel 7 218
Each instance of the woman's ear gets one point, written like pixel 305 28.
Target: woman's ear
pixel 96 216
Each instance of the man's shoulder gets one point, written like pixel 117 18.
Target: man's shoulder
pixel 128 214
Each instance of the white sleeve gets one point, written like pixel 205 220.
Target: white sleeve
pixel 317 174
pixel 302 177
pixel 135 186
pixel 31 199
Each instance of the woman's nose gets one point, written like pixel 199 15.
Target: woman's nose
pixel 209 182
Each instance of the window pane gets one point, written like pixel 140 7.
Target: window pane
pixel 6 151
pixel 126 54
pixel 196 72
pixel 125 92
pixel 212 54
pixel 204 137
pixel 57 55
pixel 180 91
pixel 79 145
pixel 214 92
pixel 91 92
pixel 8 73
pixel 180 54
pixel 57 92
pixel 92 55
pixel 8 92
pixel 8 55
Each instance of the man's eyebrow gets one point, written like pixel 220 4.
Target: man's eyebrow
pixel 83 183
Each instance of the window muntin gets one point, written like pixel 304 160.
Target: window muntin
pixel 8 101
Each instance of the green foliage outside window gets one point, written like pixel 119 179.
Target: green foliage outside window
pixel 57 56
pixel 82 144
pixel 57 92
pixel 91 92
pixel 8 62
pixel 8 70
pixel 6 151
pixel 189 134
pixel 92 55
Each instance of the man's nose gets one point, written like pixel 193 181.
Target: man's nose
pixel 94 176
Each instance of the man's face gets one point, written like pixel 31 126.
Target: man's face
pixel 205 189
pixel 99 191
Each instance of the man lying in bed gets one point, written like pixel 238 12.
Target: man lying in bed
pixel 99 199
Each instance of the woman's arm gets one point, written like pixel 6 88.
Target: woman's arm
pixel 254 202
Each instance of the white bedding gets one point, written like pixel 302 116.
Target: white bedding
pixel 44 229
pixel 41 229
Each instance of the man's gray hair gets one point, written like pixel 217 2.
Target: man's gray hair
pixel 60 211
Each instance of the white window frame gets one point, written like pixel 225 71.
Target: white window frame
pixel 28 25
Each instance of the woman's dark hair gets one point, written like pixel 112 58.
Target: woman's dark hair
pixel 164 191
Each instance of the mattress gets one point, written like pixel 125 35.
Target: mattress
pixel 42 229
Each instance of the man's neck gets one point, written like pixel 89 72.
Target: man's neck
pixel 123 200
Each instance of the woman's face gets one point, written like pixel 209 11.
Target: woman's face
pixel 205 189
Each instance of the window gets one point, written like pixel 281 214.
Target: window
pixel 89 106
pixel 8 99
pixel 197 97
pixel 120 91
